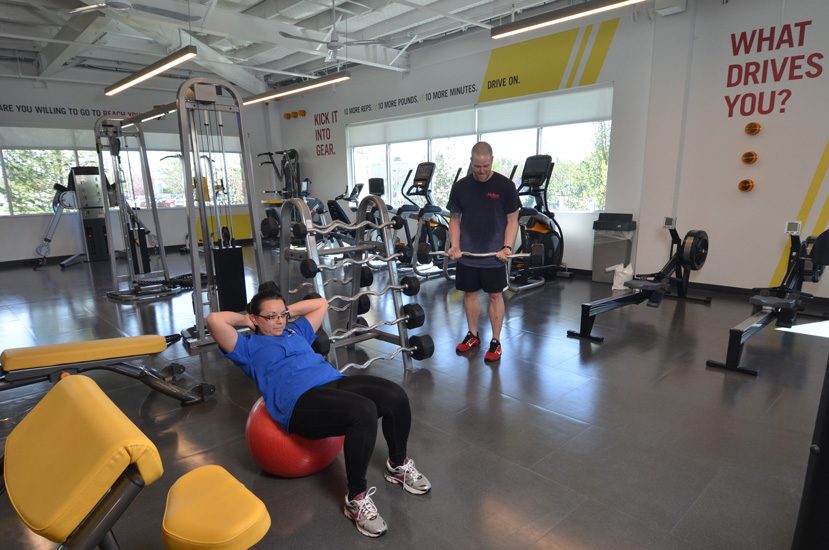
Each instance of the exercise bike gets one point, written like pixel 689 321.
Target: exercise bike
pixel 686 255
pixel 781 303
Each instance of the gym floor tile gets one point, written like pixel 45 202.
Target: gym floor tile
pixel 564 444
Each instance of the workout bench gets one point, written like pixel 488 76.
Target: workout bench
pixel 30 365
pixel 687 255
pixel 74 464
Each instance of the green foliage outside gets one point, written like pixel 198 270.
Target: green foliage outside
pixel 32 174
pixel 582 186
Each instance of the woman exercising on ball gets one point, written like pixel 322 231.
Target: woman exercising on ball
pixel 305 395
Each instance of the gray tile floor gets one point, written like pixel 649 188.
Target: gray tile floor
pixel 629 444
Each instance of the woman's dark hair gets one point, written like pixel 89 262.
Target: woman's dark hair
pixel 266 291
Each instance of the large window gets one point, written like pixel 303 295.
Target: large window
pixel 449 155
pixel 572 126
pixel 580 152
pixel 510 149
pixel 402 158
pixel 32 174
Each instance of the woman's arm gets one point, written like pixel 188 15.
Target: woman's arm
pixel 223 326
pixel 313 310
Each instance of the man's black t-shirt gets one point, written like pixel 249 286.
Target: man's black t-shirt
pixel 483 207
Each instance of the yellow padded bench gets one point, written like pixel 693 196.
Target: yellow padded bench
pixel 208 508
pixel 75 462
pixel 81 352
pixel 73 448
pixel 29 365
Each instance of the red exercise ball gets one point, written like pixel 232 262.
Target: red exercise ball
pixel 286 455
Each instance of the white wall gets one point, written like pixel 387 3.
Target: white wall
pixel 674 149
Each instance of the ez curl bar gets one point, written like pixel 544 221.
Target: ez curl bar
pixel 309 267
pixel 420 347
pixel 536 255
pixel 413 315
pixel 300 230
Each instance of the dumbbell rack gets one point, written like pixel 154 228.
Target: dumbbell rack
pixel 297 223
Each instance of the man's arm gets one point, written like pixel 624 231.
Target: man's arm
pixel 454 251
pixel 313 310
pixel 223 326
pixel 509 236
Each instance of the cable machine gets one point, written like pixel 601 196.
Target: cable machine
pixel 112 137
pixel 203 105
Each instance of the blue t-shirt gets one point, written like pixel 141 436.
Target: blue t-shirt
pixel 283 367
pixel 483 206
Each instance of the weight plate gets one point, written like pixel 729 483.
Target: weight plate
pixel 694 249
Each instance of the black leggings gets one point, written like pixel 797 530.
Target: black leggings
pixel 350 406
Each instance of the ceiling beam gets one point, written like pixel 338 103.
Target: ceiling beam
pixel 85 27
pixel 223 22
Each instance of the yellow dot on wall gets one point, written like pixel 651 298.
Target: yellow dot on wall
pixel 746 185
pixel 294 114
pixel 302 112
pixel 287 116
pixel 750 157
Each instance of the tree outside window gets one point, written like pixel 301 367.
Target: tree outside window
pixel 32 173
pixel 449 155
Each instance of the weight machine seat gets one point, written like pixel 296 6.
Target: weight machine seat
pixel 644 285
pixel 15 359
pixel 775 302
pixel 68 453
pixel 208 508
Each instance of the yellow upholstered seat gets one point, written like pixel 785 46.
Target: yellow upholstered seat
pixel 208 508
pixel 67 453
pixel 79 352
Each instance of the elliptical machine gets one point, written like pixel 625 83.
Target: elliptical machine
pixel 537 225
pixel 432 220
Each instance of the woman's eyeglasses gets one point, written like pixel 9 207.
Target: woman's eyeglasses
pixel 272 316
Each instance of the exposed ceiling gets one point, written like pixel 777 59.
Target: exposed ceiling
pixel 256 44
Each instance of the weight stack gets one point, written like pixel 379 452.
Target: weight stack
pixel 230 278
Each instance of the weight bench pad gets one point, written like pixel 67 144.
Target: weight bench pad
pixel 66 454
pixel 208 508
pixel 81 352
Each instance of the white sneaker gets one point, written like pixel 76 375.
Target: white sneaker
pixel 408 476
pixel 364 514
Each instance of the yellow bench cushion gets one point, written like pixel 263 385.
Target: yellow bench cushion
pixel 66 454
pixel 207 508
pixel 81 352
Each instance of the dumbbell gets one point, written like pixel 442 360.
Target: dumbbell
pixel 410 285
pixel 415 315
pixel 536 254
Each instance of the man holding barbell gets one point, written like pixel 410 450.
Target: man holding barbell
pixel 484 209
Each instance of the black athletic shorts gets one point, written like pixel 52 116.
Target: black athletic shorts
pixel 489 279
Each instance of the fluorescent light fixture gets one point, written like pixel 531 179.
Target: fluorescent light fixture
pixel 559 16
pixel 298 88
pixel 176 58
pixel 157 112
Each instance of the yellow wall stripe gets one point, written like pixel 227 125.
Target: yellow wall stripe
pixel 599 52
pixel 585 38
pixel 805 208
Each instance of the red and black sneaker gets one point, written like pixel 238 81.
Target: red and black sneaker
pixel 469 341
pixel 494 352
